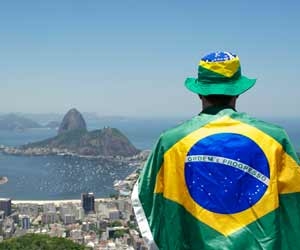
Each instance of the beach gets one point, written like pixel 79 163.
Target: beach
pixel 56 202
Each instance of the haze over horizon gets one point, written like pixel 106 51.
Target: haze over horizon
pixel 131 58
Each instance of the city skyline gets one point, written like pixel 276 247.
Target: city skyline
pixel 131 58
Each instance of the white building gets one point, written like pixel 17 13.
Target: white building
pixel 68 219
pixel 29 209
pixel 114 214
pixel 49 217
pixel 49 207
pixel 102 210
pixel 79 213
pixel 77 236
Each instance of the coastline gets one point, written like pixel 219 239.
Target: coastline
pixel 56 202
pixel 42 151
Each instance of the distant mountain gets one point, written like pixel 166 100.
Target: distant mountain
pixel 74 137
pixel 73 120
pixel 17 122
pixel 42 118
pixel 45 118
pixel 52 125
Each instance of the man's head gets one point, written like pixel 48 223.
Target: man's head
pixel 219 73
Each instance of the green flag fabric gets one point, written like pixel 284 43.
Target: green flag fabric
pixel 222 180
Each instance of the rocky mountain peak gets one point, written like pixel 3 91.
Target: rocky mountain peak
pixel 74 138
pixel 73 120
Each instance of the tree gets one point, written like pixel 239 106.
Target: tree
pixel 39 242
pixel 119 233
pixel 116 223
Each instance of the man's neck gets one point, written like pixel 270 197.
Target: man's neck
pixel 214 109
pixel 207 104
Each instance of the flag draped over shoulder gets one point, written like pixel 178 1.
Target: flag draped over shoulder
pixel 222 181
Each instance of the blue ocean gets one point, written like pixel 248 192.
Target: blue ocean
pixel 66 177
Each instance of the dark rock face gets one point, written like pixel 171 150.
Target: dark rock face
pixel 73 120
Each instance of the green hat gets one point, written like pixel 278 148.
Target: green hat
pixel 219 73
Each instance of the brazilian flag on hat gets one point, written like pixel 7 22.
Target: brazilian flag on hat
pixel 219 73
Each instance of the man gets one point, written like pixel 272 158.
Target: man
pixel 222 180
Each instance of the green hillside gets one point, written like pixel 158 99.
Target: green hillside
pixel 39 242
pixel 106 142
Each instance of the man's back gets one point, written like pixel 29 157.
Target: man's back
pixel 222 180
pixel 219 181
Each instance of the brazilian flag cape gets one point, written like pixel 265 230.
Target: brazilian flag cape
pixel 222 180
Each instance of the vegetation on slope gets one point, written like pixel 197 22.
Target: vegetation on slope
pixel 106 142
pixel 39 242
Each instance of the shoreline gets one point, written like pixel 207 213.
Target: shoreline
pixel 56 202
pixel 59 202
pixel 11 150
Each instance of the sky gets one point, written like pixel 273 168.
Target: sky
pixel 131 58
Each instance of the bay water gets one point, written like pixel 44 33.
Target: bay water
pixel 66 177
